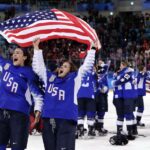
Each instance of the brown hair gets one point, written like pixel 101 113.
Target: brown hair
pixel 141 67
pixel 26 53
pixel 73 67
pixel 125 62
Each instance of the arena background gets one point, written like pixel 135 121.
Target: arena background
pixel 123 27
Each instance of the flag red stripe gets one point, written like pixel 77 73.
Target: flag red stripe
pixel 42 31
pixel 39 24
pixel 48 27
pixel 147 86
pixel 89 29
pixel 26 44
pixel 67 26
pixel 77 23
pixel 53 34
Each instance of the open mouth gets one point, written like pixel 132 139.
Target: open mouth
pixel 61 71
pixel 15 59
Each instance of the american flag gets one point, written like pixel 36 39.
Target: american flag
pixel 148 86
pixel 46 25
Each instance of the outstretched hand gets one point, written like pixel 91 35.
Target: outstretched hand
pixel 36 43
pixel 37 116
pixel 36 120
pixel 93 46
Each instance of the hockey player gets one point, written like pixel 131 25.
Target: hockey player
pixel 86 104
pixel 60 110
pixel 101 96
pixel 125 80
pixel 18 82
pixel 141 80
pixel 118 103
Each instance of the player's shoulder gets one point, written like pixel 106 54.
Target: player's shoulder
pixel 28 72
pixel 27 69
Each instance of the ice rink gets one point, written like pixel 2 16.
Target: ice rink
pixel 102 143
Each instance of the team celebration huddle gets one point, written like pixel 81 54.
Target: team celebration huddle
pixel 68 102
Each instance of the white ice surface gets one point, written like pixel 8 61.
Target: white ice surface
pixel 102 143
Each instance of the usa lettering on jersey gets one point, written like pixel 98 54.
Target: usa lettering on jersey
pixel 10 82
pixel 54 91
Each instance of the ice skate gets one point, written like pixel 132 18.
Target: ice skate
pixel 131 137
pixel 82 134
pixel 140 124
pixel 91 132
pixel 102 132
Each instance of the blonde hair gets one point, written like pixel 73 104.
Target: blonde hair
pixel 125 63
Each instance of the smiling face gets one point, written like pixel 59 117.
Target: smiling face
pixel 64 69
pixel 18 57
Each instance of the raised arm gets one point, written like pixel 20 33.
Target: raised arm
pixel 88 63
pixel 86 67
pixel 38 64
pixel 124 78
